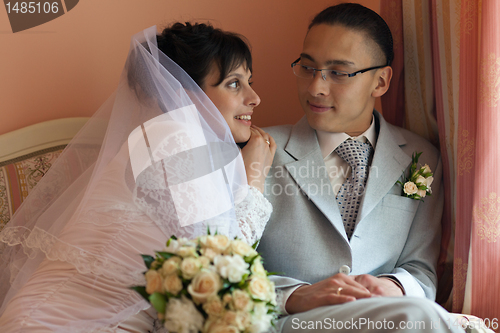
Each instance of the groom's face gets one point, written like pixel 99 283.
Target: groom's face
pixel 339 107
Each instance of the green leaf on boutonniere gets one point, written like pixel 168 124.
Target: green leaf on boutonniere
pixel 417 185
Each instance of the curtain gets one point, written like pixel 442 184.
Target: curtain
pixel 451 55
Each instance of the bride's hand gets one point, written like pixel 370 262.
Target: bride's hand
pixel 258 156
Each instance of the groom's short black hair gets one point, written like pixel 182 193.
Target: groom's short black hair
pixel 357 17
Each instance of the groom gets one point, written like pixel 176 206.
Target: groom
pixel 341 232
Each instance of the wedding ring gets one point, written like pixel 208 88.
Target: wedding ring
pixel 268 143
pixel 339 290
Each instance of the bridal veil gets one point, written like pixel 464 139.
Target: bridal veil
pixel 157 159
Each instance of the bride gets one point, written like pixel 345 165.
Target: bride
pixel 159 158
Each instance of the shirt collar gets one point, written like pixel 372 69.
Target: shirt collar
pixel 328 141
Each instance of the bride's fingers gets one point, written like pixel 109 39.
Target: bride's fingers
pixel 262 132
pixel 269 140
pixel 255 132
pixel 260 135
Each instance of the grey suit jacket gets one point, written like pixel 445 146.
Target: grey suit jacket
pixel 305 238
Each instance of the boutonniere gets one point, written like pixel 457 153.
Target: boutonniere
pixel 418 185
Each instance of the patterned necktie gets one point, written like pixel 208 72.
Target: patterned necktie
pixel 358 155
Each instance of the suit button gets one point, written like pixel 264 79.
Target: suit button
pixel 345 269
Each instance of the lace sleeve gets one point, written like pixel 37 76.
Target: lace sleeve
pixel 253 214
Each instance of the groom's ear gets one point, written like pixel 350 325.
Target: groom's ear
pixel 383 78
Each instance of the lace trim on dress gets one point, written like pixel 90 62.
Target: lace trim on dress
pixel 252 215
pixel 55 249
pixel 152 195
pixel 280 301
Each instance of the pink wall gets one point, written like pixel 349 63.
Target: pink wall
pixel 69 66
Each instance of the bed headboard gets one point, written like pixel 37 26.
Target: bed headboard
pixel 25 156
pixel 34 138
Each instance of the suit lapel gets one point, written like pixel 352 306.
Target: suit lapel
pixel 309 172
pixel 388 164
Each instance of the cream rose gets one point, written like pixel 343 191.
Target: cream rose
pixel 172 284
pixel 241 248
pixel 227 298
pixel 261 320
pixel 220 326
pixel 257 268
pixel 427 169
pixel 204 261
pixel 209 253
pixel 421 180
pixel 190 267
pixel 205 284
pixel 230 318
pixel 214 307
pixel 243 320
pixel 182 316
pixel 231 267
pixel 154 282
pixel 187 251
pixel 410 188
pixel 218 243
pixel 260 288
pixel 241 300
pixel 170 266
pixel 429 181
pixel 173 246
pixel 421 193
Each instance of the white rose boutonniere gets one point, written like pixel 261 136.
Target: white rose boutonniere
pixel 418 185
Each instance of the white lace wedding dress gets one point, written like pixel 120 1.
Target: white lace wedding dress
pixel 79 283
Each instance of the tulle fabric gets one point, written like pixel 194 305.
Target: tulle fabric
pixel 157 159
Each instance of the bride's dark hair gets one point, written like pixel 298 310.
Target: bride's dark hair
pixel 195 47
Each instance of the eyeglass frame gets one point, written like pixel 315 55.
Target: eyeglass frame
pixel 332 70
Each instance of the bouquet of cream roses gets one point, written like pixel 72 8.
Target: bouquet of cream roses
pixel 419 183
pixel 209 284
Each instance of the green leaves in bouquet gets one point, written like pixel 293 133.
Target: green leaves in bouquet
pixel 158 301
pixel 142 291
pixel 164 255
pixel 250 260
pixel 148 260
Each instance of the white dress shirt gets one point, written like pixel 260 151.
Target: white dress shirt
pixel 337 168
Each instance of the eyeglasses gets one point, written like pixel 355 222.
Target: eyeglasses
pixel 307 72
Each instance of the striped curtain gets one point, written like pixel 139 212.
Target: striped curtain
pixel 450 64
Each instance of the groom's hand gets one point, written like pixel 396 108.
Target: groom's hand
pixel 326 292
pixel 378 286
